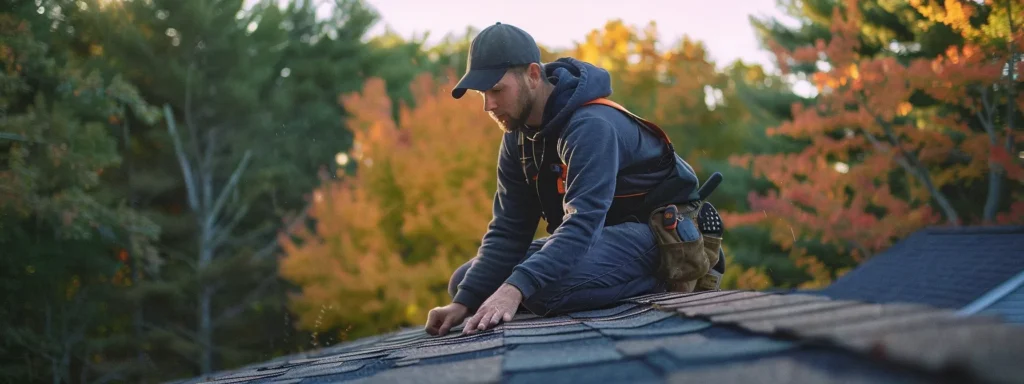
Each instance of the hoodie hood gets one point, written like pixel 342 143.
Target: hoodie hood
pixel 576 82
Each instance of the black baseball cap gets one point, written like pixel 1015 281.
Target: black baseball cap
pixel 493 51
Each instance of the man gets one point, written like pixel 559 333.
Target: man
pixel 584 165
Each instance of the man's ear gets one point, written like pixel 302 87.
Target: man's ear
pixel 536 73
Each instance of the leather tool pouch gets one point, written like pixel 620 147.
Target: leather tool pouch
pixel 710 225
pixel 689 243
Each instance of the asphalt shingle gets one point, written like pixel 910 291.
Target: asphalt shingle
pixel 724 350
pixel 634 320
pixel 722 337
pixel 942 267
pixel 627 371
pixel 547 330
pixel 516 340
pixel 670 326
pixel 495 341
pixel 605 312
pixel 529 357
pixel 482 370
pixel 783 370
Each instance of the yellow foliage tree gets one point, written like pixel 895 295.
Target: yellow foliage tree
pixel 679 88
pixel 388 238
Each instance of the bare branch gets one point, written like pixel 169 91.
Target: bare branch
pixel 222 233
pixel 232 183
pixel 268 249
pixel 995 171
pixel 186 167
pixel 988 112
pixel 265 229
pixel 237 309
pixel 911 165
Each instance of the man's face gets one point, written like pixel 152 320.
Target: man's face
pixel 510 101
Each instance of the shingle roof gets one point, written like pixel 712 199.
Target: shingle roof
pixel 943 267
pixel 711 337
pixel 1006 301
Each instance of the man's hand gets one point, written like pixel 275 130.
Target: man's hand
pixel 441 319
pixel 501 306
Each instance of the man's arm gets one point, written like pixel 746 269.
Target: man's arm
pixel 509 234
pixel 592 155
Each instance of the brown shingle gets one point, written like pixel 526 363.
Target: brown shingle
pixel 650 298
pixel 673 300
pixel 716 301
pixel 993 352
pixel 708 298
pixel 784 311
pixel 831 317
pixel 894 323
pixel 541 322
pixel 747 304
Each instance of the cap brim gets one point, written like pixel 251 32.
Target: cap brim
pixel 478 79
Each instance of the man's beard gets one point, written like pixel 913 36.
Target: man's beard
pixel 518 121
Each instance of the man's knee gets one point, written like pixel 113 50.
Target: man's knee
pixel 457 276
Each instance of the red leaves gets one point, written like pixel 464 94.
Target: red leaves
pixel 1015 215
pixel 1012 167
pixel 866 133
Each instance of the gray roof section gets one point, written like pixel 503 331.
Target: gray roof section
pixel 716 337
pixel 942 267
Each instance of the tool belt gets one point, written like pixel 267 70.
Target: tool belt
pixel 687 260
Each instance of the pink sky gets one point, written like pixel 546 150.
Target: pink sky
pixel 721 24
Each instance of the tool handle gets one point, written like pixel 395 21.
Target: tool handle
pixel 709 186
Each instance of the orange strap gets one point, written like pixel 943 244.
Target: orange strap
pixel 653 127
pixel 560 182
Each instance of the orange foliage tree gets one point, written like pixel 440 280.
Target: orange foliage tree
pixel 388 237
pixel 881 164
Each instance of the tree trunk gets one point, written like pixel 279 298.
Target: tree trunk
pixel 911 165
pixel 207 205
pixel 205 330
pixel 204 321
pixel 996 173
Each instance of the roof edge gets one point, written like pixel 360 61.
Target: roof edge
pixel 975 229
pixel 993 295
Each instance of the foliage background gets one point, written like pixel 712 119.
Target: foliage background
pixel 193 185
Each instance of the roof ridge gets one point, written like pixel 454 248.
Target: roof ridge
pixel 928 338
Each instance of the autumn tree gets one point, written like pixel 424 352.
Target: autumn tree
pixel 896 142
pixel 709 112
pixel 680 88
pixel 388 237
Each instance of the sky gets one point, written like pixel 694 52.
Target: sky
pixel 722 25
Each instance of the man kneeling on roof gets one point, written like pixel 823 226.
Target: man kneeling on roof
pixel 624 212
